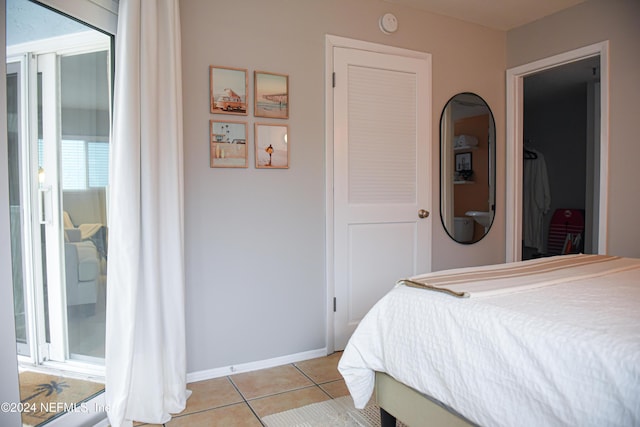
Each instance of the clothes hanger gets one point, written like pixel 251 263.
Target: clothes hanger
pixel 529 154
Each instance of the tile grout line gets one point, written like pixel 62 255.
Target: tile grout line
pixel 245 400
pixel 311 379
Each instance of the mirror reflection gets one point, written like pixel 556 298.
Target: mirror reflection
pixel 467 168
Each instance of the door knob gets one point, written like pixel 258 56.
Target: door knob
pixel 423 213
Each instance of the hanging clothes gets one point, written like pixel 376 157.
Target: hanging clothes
pixel 536 199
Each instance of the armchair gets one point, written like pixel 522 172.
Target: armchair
pixel 97 233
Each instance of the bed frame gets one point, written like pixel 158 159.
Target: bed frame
pixel 398 401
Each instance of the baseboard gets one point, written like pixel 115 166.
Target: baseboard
pixel 254 366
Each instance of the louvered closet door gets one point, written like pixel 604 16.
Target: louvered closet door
pixel 381 179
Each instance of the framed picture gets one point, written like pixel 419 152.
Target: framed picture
pixel 228 90
pixel 463 162
pixel 271 95
pixel 272 146
pixel 228 144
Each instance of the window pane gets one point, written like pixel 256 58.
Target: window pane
pixel 98 153
pixel 74 165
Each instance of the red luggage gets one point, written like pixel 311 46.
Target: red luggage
pixel 566 232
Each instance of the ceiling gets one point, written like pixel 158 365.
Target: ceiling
pixel 505 15
pixel 578 73
pixel 497 14
pixel 27 21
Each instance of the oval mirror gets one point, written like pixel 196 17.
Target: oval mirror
pixel 467 168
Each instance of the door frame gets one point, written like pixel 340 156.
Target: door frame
pixel 42 204
pixel 331 42
pixel 515 123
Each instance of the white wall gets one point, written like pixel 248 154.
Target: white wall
pixel 589 23
pixel 255 239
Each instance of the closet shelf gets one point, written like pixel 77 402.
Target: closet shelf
pixel 465 148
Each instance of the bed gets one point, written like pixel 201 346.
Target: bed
pixel 551 341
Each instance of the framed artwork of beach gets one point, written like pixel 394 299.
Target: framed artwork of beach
pixel 271 95
pixel 228 90
pixel 272 146
pixel 228 144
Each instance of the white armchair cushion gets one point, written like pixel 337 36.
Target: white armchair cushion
pixel 87 261
pixel 82 269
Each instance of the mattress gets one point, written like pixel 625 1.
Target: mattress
pixel 566 352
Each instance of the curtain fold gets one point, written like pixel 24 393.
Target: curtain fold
pixel 145 330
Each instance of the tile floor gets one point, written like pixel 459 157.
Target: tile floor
pixel 243 399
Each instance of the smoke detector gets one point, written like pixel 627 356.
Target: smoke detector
pixel 388 23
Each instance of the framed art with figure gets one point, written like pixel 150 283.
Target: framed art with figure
pixel 271 97
pixel 272 146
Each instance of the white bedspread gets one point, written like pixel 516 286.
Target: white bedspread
pixel 565 354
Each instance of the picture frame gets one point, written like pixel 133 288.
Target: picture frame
pixel 228 90
pixel 271 95
pixel 463 161
pixel 272 146
pixel 228 145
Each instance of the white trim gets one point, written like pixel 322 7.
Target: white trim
pixel 33 295
pixel 75 368
pixel 515 76
pixel 101 14
pixel 84 42
pixel 337 41
pixel 254 366
pixel 330 43
pixel 54 246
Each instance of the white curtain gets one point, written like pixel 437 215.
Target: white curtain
pixel 145 342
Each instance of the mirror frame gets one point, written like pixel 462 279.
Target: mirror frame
pixel 491 169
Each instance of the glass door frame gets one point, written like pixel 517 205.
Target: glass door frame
pixel 41 197
pixel 35 350
pixel 51 204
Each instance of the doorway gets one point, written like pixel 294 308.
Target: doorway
pixel 58 104
pixel 596 200
pixel 378 167
pixel 561 142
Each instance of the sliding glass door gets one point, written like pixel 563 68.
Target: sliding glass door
pixel 58 82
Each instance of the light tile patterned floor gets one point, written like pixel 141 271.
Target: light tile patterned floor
pixel 241 400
